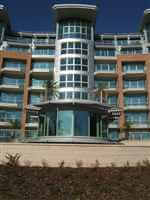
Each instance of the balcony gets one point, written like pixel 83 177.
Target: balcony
pixel 111 90
pixel 4 123
pixel 113 125
pixel 10 104
pixel 41 56
pixel 44 42
pixel 17 40
pixel 136 107
pixel 134 43
pixel 135 90
pixel 42 71
pixel 104 44
pixel 105 74
pixel 140 125
pixel 32 122
pixel 32 125
pixel 135 74
pixel 14 88
pixel 97 58
pixel 37 88
pixel 13 70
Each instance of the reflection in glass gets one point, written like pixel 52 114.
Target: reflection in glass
pixel 81 123
pixel 65 123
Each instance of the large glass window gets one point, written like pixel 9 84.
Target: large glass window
pixel 107 83
pixel 11 97
pixel 134 83
pixel 12 81
pixel 105 52
pixel 75 64
pixel 81 123
pixel 11 115
pixel 112 100
pixel 38 82
pixel 74 29
pixel 105 67
pixel 18 49
pixel 133 66
pixel 74 48
pixel 43 51
pixel 132 51
pixel 43 65
pixel 74 80
pixel 137 117
pixel 137 99
pixel 65 123
pixel 17 64
pixel 34 99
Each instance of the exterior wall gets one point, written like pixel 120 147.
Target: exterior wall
pixel 103 41
pixel 53 154
pixel 27 58
pixel 136 58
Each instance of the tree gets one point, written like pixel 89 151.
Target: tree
pixel 101 93
pixel 126 128
pixel 51 89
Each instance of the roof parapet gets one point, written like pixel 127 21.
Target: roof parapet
pixel 145 19
pixel 81 11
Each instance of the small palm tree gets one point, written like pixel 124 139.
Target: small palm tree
pixel 126 128
pixel 101 92
pixel 51 89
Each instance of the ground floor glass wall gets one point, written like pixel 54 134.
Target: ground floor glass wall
pixel 68 123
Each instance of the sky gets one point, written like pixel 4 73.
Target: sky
pixel 114 16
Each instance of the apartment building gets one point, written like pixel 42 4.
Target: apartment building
pixel 79 60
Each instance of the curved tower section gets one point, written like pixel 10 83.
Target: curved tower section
pixel 74 61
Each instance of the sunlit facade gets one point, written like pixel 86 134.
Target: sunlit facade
pixel 79 60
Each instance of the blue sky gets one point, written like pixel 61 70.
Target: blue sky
pixel 114 16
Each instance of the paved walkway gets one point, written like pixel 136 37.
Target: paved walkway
pixel 71 153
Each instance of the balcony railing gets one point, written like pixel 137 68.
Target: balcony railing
pixel 104 43
pixel 19 40
pixel 44 42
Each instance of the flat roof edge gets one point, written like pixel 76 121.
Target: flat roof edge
pixel 84 6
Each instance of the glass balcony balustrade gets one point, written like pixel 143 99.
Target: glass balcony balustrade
pixel 44 41
pixel 43 51
pixel 12 82
pixel 19 40
pixel 12 64
pixel 105 52
pixel 101 67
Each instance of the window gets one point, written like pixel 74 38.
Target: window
pixel 74 29
pixel 108 83
pixel 35 99
pixel 76 64
pixel 134 83
pixel 112 100
pixel 17 48
pixel 43 51
pixel 6 115
pixel 10 63
pixel 12 81
pixel 108 67
pixel 74 48
pixel 105 52
pixel 43 65
pixel 133 51
pixel 133 66
pixel 38 83
pixel 137 99
pixel 137 117
pixel 11 97
pixel 73 80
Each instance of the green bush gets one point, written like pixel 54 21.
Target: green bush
pixel 64 183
